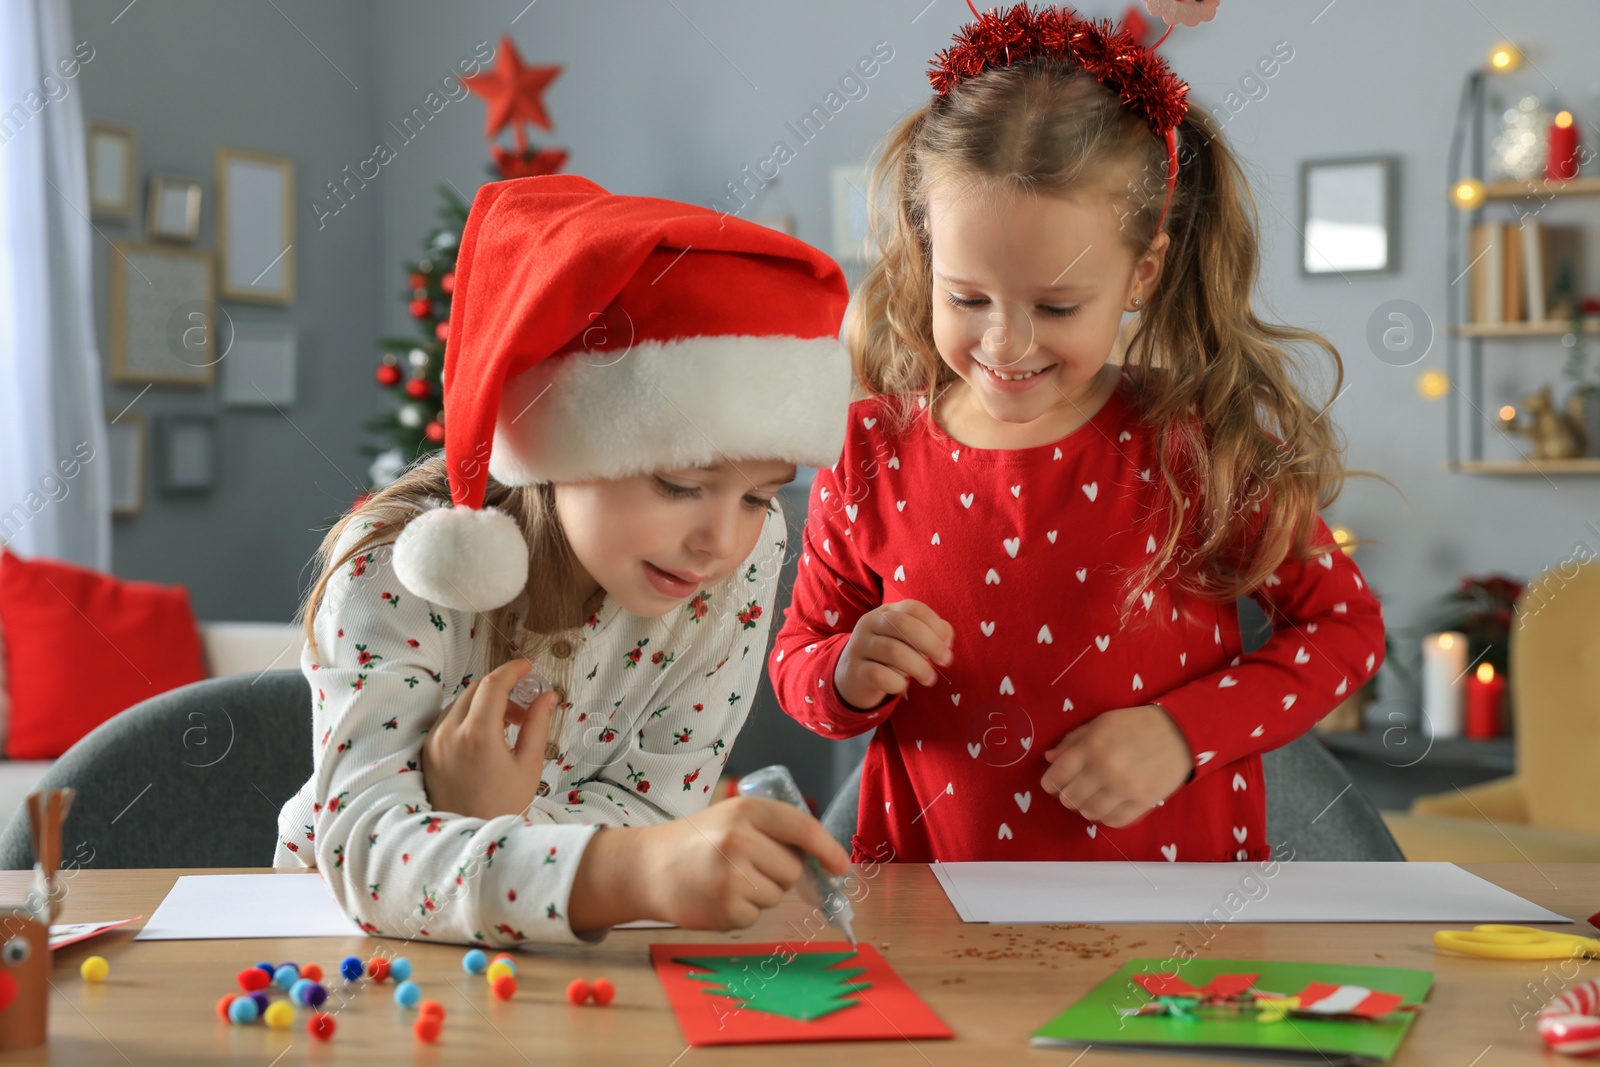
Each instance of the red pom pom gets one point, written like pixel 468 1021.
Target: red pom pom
pixel 604 991
pixel 378 968
pixel 448 282
pixel 222 1006
pixel 252 979
pixel 421 309
pixel 388 375
pixel 578 991
pixel 321 1026
pixel 505 987
pixel 426 1028
pixel 311 971
pixel 418 388
pixel 434 431
pixel 442 330
pixel 430 1009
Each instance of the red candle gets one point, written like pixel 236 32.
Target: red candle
pixel 1562 162
pixel 1486 693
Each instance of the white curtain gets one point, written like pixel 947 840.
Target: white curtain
pixel 55 484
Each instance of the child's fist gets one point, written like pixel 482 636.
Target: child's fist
pixel 1119 765
pixel 467 766
pixel 891 645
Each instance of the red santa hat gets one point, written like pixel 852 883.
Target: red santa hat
pixel 600 336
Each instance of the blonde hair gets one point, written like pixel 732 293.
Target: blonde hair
pixel 553 603
pixel 1235 432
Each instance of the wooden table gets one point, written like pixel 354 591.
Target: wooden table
pixel 992 984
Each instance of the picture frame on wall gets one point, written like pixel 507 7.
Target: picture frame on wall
pixel 1349 216
pixel 255 226
pixel 259 368
pixel 172 212
pixel 162 316
pixel 112 164
pixel 126 440
pixel 852 238
pixel 188 454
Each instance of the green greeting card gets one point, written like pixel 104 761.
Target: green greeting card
pixel 1272 1009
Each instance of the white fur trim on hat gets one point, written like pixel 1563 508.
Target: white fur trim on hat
pixel 664 405
pixel 463 558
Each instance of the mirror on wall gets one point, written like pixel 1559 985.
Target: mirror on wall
pixel 1348 221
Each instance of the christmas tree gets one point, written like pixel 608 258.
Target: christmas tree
pixel 805 988
pixel 414 367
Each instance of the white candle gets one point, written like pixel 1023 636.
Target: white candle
pixel 1444 668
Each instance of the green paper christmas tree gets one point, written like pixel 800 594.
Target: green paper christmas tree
pixel 805 988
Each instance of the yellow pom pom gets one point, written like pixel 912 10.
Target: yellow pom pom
pixel 497 969
pixel 279 1016
pixel 95 969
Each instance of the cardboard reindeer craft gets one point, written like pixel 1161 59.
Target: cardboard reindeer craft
pixel 25 941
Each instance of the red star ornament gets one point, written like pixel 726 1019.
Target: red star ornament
pixel 512 92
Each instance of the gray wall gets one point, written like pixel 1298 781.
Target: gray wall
pixel 674 99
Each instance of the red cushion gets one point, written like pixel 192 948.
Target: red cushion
pixel 82 646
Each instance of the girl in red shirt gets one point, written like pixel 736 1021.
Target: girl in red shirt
pixel 1023 571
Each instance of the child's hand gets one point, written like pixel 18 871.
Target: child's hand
pixel 467 767
pixel 891 645
pixel 1119 765
pixel 714 870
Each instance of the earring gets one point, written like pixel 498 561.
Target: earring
pixel 1137 303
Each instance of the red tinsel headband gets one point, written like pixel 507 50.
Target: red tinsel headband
pixel 1141 79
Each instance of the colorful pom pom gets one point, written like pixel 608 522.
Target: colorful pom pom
pixel 268 969
pixel 431 1007
pixel 407 994
pixel 505 987
pixel 298 991
pixel 351 968
pixel 95 969
pixel 311 971
pixel 474 962
pixel 399 968
pixel 321 1026
pixel 286 976
pixel 279 1015
pixel 316 995
pixel 499 969
pixel 252 979
pixel 378 968
pixel 243 1010
pixel 261 1001
pixel 223 1005
pixel 427 1028
pixel 507 959
pixel 578 991
pixel 604 991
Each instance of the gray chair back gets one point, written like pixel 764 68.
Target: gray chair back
pixel 1314 811
pixel 191 778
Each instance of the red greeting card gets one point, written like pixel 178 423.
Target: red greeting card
pixel 789 991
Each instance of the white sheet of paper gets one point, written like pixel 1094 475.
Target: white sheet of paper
pixel 205 906
pixel 1119 892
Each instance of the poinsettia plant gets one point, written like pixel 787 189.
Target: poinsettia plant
pixel 1482 608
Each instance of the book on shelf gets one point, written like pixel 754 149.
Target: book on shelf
pixel 1515 268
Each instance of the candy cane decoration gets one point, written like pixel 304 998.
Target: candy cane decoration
pixel 1570 1024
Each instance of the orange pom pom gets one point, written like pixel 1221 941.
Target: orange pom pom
pixel 311 971
pixel 505 987
pixel 577 991
pixel 426 1028
pixel 604 991
pixel 222 1005
pixel 321 1025
pixel 430 1009
pixel 378 968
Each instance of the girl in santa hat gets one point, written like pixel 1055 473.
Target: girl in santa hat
pixel 1023 572
pixel 628 382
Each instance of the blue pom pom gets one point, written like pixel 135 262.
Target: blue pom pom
pixel 316 995
pixel 298 991
pixel 243 1010
pixel 399 968
pixel 352 968
pixel 261 1001
pixel 286 976
pixel 270 968
pixel 475 962
pixel 407 994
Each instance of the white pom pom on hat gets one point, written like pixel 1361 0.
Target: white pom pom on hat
pixel 466 559
pixel 597 336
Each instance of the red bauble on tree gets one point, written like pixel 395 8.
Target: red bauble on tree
pixel 418 389
pixel 388 375
pixel 421 309
pixel 434 432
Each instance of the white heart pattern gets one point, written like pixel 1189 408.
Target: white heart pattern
pixel 1344 684
pixel 973 748
pixel 1092 490
pixel 1050 536
pixel 1183 659
pixel 899 574
pixel 1204 758
pixel 1288 702
pixel 852 510
pixel 1023 800
pixel 869 423
pixel 1239 784
pixel 1102 641
pixel 1228 681
pixel 832 616
pixel 1027 744
pixel 1240 833
pixel 1067 705
pixel 1138 683
pixel 936 537
pixel 894 463
pixel 825 494
pixel 955 698
pixel 1016 491
pixel 919 744
pixel 1171 852
pixel 992 578
pixel 1258 731
pixel 1057 455
pixel 950 789
pixel 966 500
pixel 987 628
pixel 1006 688
pixel 1326 559
pixel 1012 544
pixel 1148 598
pixel 1302 656
pixel 1083 574
pixel 956 455
pixel 1371 659
pixel 1044 635
pixel 1092 829
pixel 1124 437
pixel 899 505
pixel 1005 832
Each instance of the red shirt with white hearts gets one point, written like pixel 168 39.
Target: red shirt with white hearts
pixel 1020 551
